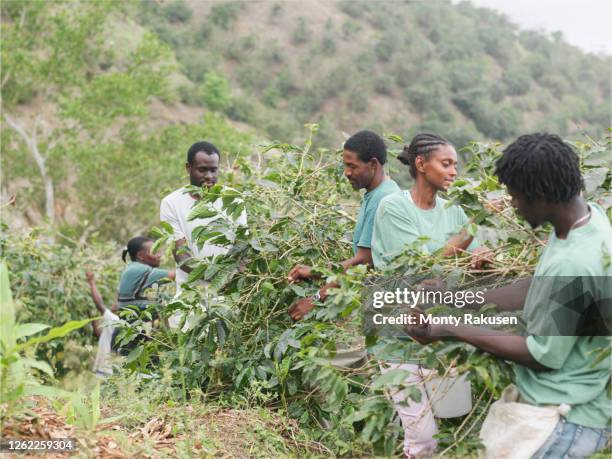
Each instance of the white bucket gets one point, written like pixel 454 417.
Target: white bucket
pixel 450 396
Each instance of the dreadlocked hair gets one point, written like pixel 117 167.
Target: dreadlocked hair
pixel 134 246
pixel 541 166
pixel 422 144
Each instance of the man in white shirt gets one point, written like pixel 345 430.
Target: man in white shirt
pixel 203 169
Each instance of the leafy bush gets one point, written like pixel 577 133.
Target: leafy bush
pixel 237 50
pixel 328 44
pixel 404 72
pixel 276 11
pixel 241 109
pixel 385 47
pixel 272 54
pixel 502 123
pixel 203 33
pixel 189 95
pixel 301 33
pixel 49 285
pixel 253 77
pixel 465 74
pixel 352 8
pixel 17 371
pixel 271 96
pixel 384 84
pixel 178 11
pixel 350 28
pixel 246 340
pixel 333 83
pixel 285 83
pixel 308 103
pixel 195 63
pixel 279 127
pixel 224 14
pixel 357 99
pixel 216 92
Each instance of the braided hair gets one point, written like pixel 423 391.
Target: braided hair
pixel 421 144
pixel 134 246
pixel 541 166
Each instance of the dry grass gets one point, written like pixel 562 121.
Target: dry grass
pixel 180 431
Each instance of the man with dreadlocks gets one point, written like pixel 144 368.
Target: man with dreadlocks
pixel 408 215
pixel 558 374
pixel 419 216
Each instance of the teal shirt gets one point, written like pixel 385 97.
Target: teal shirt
pixel 574 379
pixel 400 222
pixel 362 237
pixel 133 274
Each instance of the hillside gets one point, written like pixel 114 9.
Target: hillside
pixel 100 102
pixel 396 67
pixel 113 94
pixel 90 103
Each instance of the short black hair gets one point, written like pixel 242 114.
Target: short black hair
pixel 367 145
pixel 541 166
pixel 421 144
pixel 205 147
pixel 134 246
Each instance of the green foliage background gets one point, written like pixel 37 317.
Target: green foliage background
pixel 91 85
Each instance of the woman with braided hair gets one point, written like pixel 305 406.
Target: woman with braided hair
pixel 140 274
pixel 408 215
pixel 413 216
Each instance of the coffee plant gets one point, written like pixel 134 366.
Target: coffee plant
pixel 237 337
pixel 235 341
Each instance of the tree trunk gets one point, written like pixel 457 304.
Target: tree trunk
pixel 41 160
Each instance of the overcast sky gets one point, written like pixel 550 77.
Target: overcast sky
pixel 584 23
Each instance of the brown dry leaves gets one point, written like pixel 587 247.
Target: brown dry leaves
pixel 39 423
pixel 156 432
pixel 42 422
pixel 222 433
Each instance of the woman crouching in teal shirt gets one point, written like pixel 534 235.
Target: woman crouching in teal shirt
pixel 142 273
pixel 402 218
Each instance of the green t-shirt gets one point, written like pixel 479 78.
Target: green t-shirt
pixel 132 276
pixel 362 237
pixel 400 222
pixel 574 379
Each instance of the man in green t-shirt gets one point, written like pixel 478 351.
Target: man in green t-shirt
pixel 542 175
pixel 364 156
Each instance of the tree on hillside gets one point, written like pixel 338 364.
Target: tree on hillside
pixel 216 92
pixel 54 57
